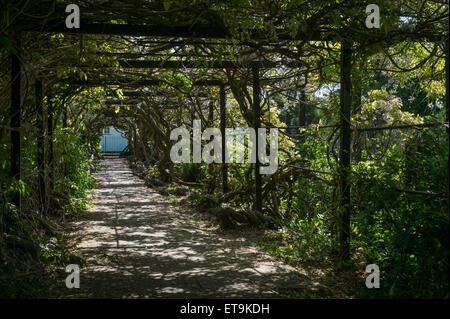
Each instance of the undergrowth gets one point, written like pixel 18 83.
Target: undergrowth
pixel 31 243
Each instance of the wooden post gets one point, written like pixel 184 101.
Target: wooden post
pixel 50 160
pixel 211 112
pixel 134 142
pixel 447 89
pixel 15 112
pixel 40 155
pixel 302 109
pixel 344 153
pixel 135 137
pixel 301 115
pixel 447 92
pixel 256 125
pixel 64 122
pixel 223 125
pixel 356 93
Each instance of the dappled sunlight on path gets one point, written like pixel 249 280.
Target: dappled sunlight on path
pixel 137 245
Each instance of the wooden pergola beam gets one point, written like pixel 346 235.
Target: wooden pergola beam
pixel 152 94
pixel 120 102
pixel 129 103
pixel 118 82
pixel 147 64
pixel 209 83
pixel 212 32
pixel 193 32
pixel 133 83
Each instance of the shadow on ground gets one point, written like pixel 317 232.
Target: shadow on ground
pixel 139 246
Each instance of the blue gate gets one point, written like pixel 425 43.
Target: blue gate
pixel 113 140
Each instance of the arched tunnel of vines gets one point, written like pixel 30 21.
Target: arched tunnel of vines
pixel 224 149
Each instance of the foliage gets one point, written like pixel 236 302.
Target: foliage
pixel 23 271
pixel 406 234
pixel 397 78
pixel 16 285
pixel 75 180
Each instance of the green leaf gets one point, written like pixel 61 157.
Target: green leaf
pixel 166 4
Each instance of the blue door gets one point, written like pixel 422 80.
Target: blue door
pixel 113 140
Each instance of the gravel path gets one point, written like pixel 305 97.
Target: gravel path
pixel 137 245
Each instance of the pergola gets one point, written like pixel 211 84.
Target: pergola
pixel 190 35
